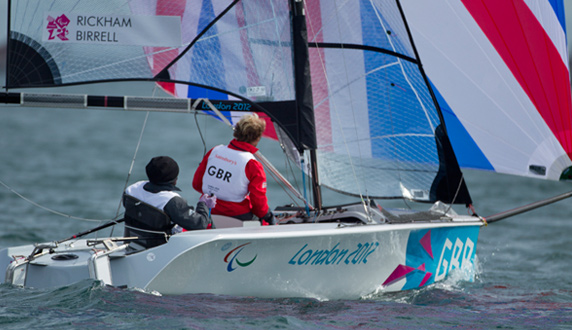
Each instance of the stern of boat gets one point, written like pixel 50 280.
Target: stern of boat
pixel 52 265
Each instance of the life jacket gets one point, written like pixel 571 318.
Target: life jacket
pixel 225 174
pixel 158 200
pixel 144 215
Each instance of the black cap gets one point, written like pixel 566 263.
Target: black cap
pixel 162 169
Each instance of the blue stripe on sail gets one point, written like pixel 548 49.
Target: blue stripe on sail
pixel 207 67
pixel 468 153
pixel 558 6
pixel 194 92
pixel 378 110
pixel 397 121
pixel 380 104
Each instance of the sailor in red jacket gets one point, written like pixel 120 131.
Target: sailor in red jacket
pixel 234 176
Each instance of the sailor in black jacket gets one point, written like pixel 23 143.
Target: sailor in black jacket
pixel 161 193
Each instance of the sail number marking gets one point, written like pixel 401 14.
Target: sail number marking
pixel 454 256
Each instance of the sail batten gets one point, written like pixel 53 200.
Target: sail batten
pixel 379 137
pixel 355 81
pixel 388 87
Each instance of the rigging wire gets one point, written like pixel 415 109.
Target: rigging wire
pixel 356 131
pixel 290 172
pixel 288 193
pixel 289 158
pixel 215 110
pixel 279 178
pixel 456 193
pixel 290 169
pixel 201 134
pixel 132 164
pixel 304 180
pixel 144 125
pixel 329 88
pixel 133 159
pixel 65 215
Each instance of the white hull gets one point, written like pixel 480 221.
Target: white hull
pixel 318 260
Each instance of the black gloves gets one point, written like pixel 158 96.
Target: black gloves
pixel 269 218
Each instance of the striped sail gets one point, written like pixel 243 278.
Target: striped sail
pixel 242 47
pixel 501 69
pixel 378 129
pixel 375 116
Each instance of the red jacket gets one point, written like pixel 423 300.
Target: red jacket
pixel 256 201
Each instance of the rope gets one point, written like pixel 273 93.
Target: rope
pixel 201 134
pixel 337 115
pixel 148 231
pixel 65 215
pixel 280 179
pixel 304 184
pixel 118 214
pixel 456 194
pixel 133 159
pixel 46 208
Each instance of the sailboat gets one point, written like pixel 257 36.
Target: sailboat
pixel 374 99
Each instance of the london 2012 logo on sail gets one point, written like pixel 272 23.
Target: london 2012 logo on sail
pixel 58 27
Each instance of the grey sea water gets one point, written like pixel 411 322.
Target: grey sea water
pixel 60 164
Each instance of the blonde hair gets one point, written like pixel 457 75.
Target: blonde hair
pixel 249 128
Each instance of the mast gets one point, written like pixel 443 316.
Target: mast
pixel 7 68
pixel 304 100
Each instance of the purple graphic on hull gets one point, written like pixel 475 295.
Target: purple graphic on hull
pixel 456 248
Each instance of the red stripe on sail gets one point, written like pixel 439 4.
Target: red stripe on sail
pixel 317 71
pixel 251 73
pixel 270 131
pixel 161 56
pixel 525 47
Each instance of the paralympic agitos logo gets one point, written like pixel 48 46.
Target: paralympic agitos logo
pixel 232 258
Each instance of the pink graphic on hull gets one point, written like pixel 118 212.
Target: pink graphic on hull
pixel 426 243
pixel 425 279
pixel 401 271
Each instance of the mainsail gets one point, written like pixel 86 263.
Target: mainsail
pixel 378 127
pixel 376 118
